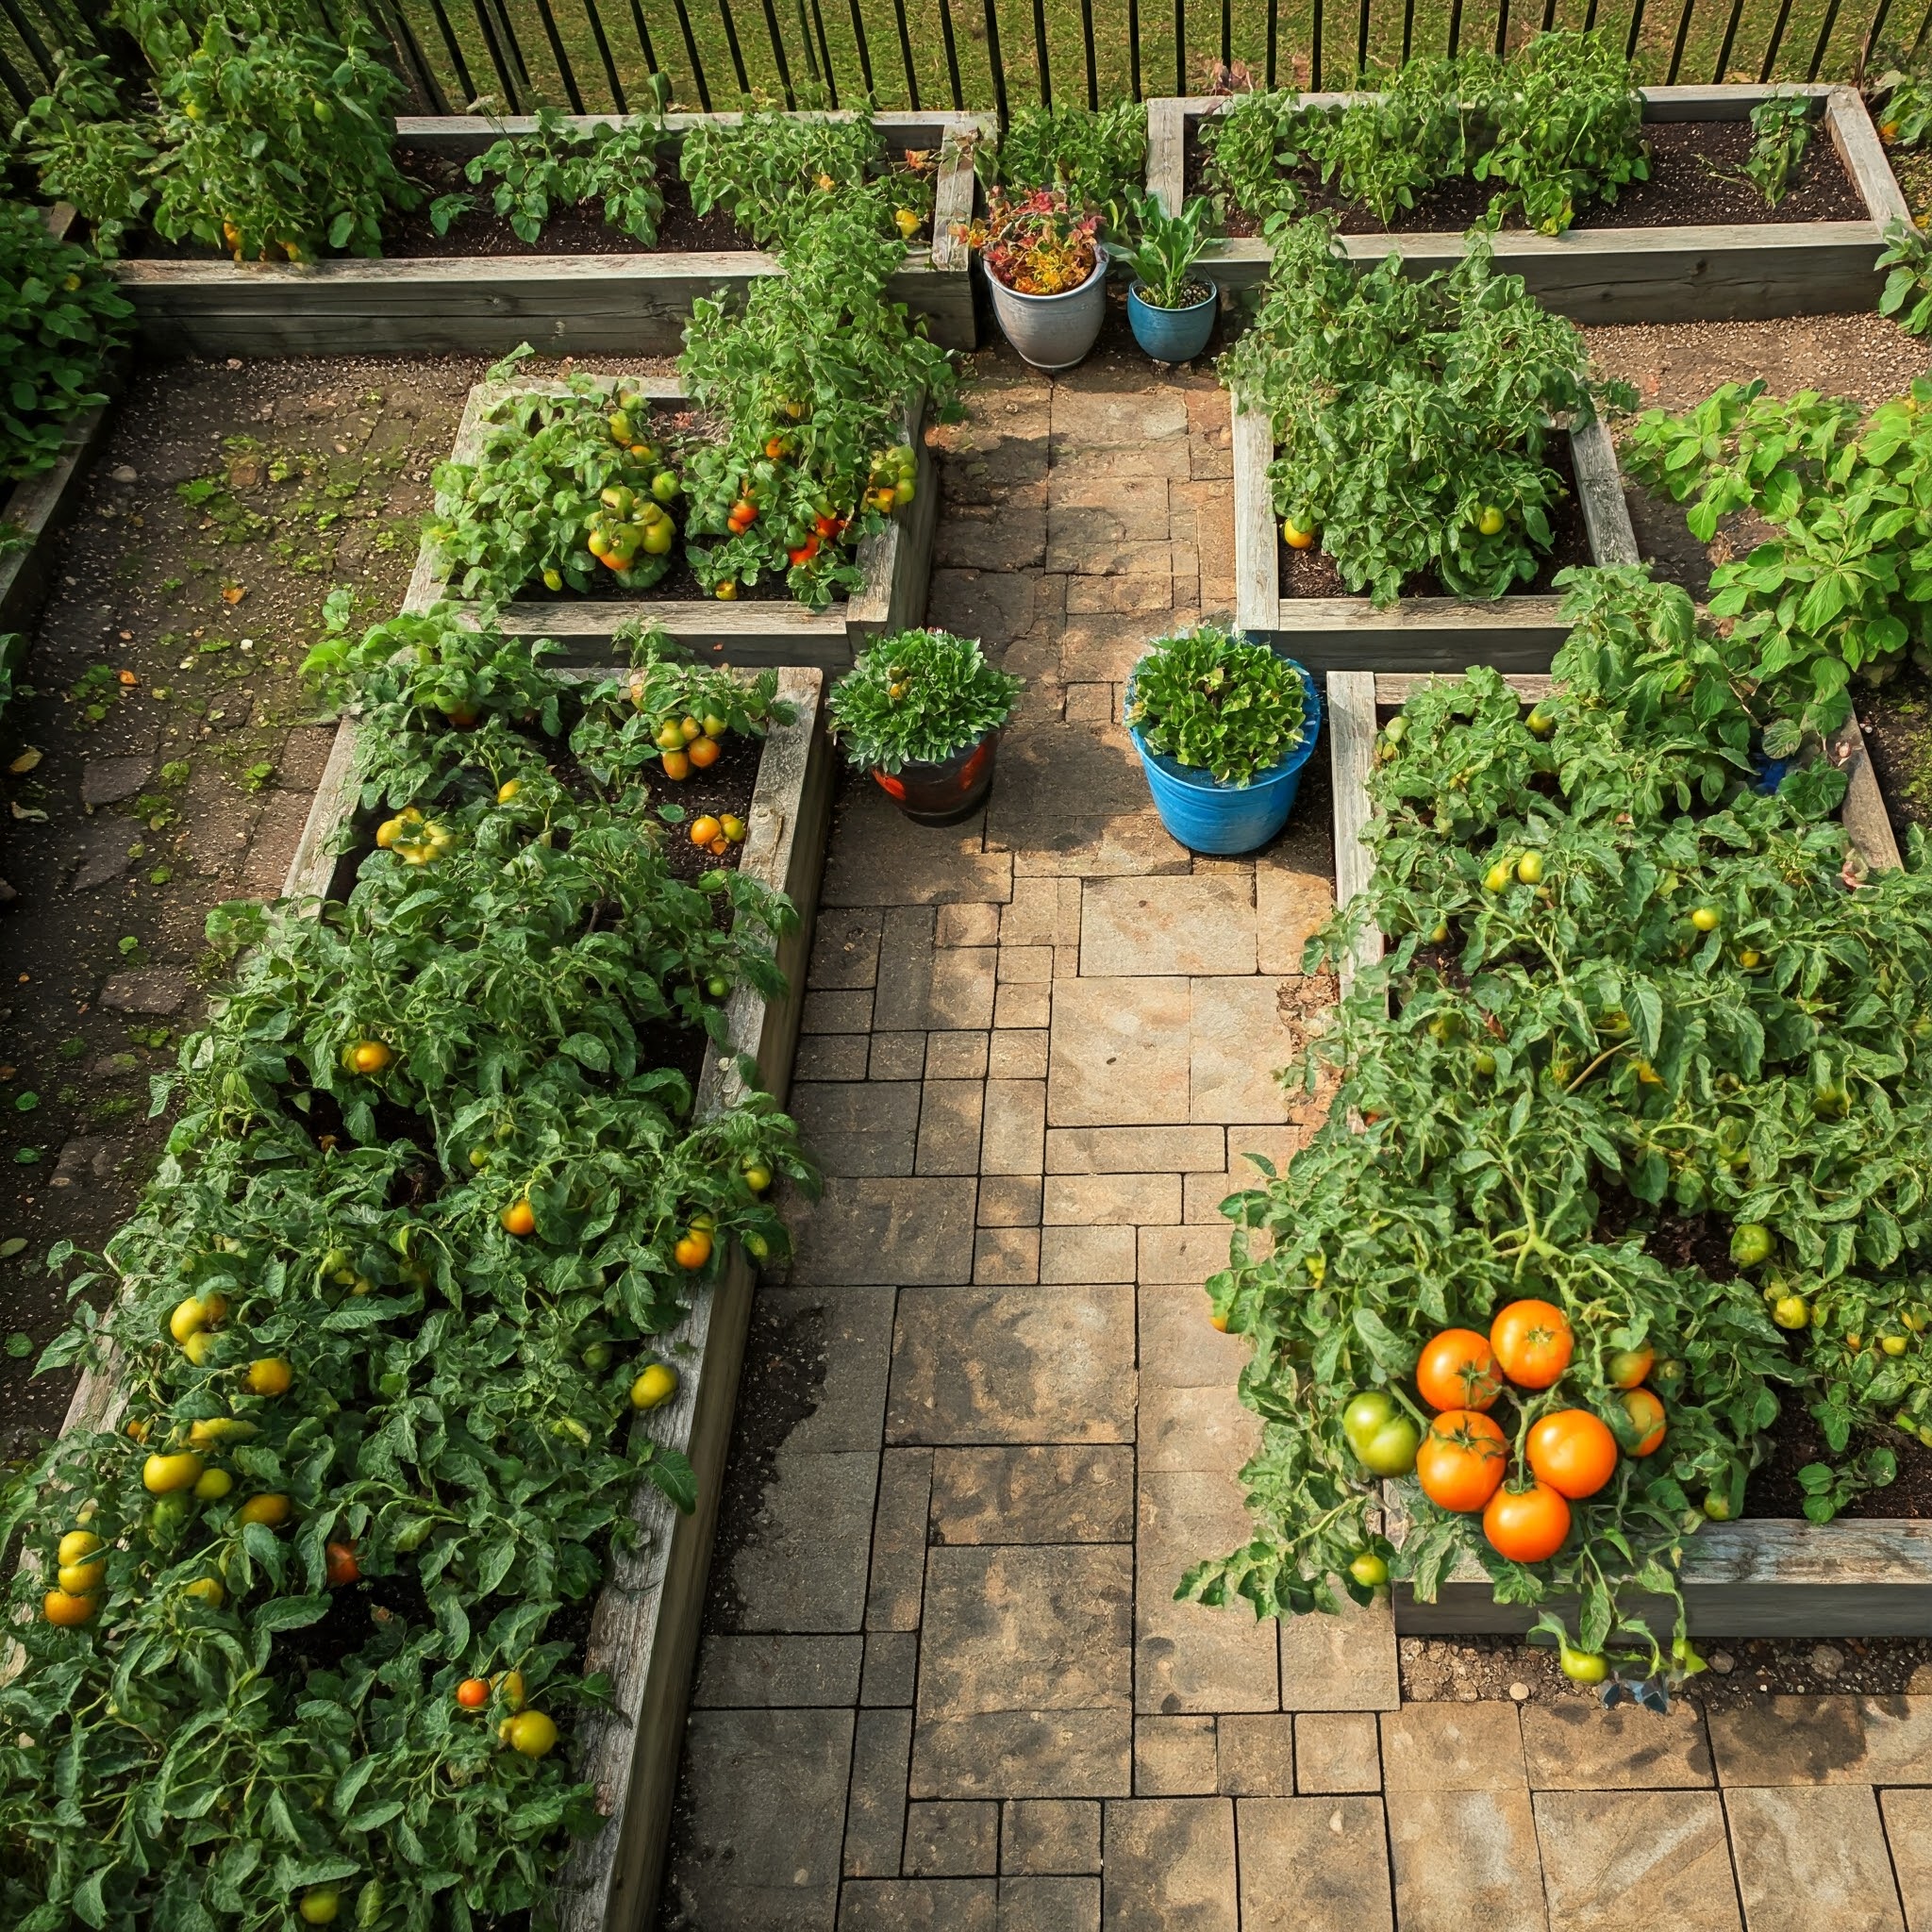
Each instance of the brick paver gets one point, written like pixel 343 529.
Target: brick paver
pixel 950 1685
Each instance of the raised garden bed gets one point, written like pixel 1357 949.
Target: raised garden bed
pixel 1517 632
pixel 1765 1577
pixel 1602 272
pixel 645 1627
pixel 757 629
pixel 620 302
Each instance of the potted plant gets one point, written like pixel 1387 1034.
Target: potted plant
pixel 1223 727
pixel 1170 307
pixel 1047 273
pixel 921 712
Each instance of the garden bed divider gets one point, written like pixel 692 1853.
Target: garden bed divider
pixel 645 1626
pixel 1729 272
pixel 1762 1576
pixel 898 563
pixel 567 305
pixel 1514 633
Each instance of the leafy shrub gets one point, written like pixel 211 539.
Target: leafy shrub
pixel 1781 131
pixel 86 154
pixel 1843 585
pixel 918 697
pixel 558 165
pixel 1219 703
pixel 1676 1009
pixel 427 1173
pixel 1405 410
pixel 59 318
pixel 1098 159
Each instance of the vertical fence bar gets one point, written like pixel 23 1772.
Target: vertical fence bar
pixel 779 60
pixel 1636 26
pixel 496 58
pixel 951 54
pixel 404 38
pixel 1226 34
pixel 1408 28
pixel 811 57
pixel 1456 26
pixel 1549 14
pixel 1180 47
pixel 824 46
pixel 1590 16
pixel 1919 38
pixel 1361 41
pixel 15 83
pixel 731 41
pixel 906 53
pixel 1040 54
pixel 1771 46
pixel 1824 37
pixel 1273 39
pixel 36 47
pixel 610 66
pixel 1502 27
pixel 690 51
pixel 1870 40
pixel 1678 44
pixel 1723 51
pixel 454 48
pixel 644 47
pixel 1087 43
pixel 864 48
pixel 564 69
pixel 1315 49
pixel 1134 44
pixel 993 61
pixel 508 28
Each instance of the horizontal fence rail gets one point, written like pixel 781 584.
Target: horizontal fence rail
pixel 598 56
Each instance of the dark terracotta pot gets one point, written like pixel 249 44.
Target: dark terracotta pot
pixel 938 795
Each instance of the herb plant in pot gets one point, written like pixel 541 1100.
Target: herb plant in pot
pixel 1170 305
pixel 1223 727
pixel 922 712
pixel 1047 272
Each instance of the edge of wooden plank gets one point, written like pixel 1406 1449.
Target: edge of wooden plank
pixel 1849 125
pixel 1167 153
pixel 1257 568
pixel 1867 823
pixel 1351 756
pixel 40 506
pixel 1600 491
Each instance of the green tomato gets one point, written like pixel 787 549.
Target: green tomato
pixel 1751 1245
pixel 1390 1451
pixel 1717 1505
pixel 1365 1415
pixel 1369 1570
pixel 665 486
pixel 1584 1666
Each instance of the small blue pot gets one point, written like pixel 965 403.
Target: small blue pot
pixel 1172 335
pixel 1205 815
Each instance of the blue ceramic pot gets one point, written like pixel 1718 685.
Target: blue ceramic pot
pixel 1172 335
pixel 1205 815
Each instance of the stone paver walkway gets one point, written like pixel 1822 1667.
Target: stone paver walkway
pixel 951 1687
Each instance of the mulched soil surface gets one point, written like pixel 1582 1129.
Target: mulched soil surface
pixel 1897 722
pixel 1313 572
pixel 1682 191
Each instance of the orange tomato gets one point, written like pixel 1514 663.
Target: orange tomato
pixel 269 1508
pixel 62 1607
pixel 1461 1460
pixel 677 766
pixel 1647 1414
pixel 473 1694
pixel 1629 1366
pixel 1573 1452
pixel 1457 1370
pixel 519 1219
pixel 1534 1342
pixel 342 1567
pixel 705 753
pixel 702 830
pixel 694 1249
pixel 1529 1525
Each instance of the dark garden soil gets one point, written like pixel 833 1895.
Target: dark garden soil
pixel 1314 574
pixel 1695 182
pixel 161 753
pixel 1897 722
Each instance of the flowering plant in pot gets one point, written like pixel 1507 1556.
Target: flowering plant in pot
pixel 1223 727
pixel 1047 272
pixel 1170 304
pixel 922 710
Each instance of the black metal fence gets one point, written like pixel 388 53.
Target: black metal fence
pixel 593 56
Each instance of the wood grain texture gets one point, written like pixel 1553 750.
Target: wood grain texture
pixel 1257 564
pixel 1352 755
pixel 1849 123
pixel 1867 823
pixel 1600 491
pixel 1393 688
pixel 1167 153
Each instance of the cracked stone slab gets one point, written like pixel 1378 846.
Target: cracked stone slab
pixel 153 990
pixel 108 781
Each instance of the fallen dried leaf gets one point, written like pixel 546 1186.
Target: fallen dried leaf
pixel 233 593
pixel 23 811
pixel 129 677
pixel 25 762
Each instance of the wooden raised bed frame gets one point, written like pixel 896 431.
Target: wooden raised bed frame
pixel 1514 633
pixel 1725 273
pixel 644 1628
pixel 567 305
pixel 1762 1576
pixel 898 563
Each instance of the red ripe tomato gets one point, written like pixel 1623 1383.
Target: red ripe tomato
pixel 1529 1525
pixel 341 1565
pixel 1534 1342
pixel 1646 1415
pixel 1457 1370
pixel 1461 1460
pixel 1573 1452
pixel 473 1694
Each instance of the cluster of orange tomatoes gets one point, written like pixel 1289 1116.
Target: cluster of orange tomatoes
pixel 1462 1459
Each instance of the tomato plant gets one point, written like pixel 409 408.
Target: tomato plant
pixel 1563 1070
pixel 374 1437
pixel 1410 417
pixel 1098 158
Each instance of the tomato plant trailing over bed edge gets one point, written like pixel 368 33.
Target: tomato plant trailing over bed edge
pixel 383 1318
pixel 1683 1015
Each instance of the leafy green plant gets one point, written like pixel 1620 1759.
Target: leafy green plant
pixel 1254 145
pixel 1617 968
pixel 61 317
pixel 558 164
pixel 1098 159
pixel 810 380
pixel 1218 701
pixel 1395 143
pixel 1781 130
pixel 1908 261
pixel 1165 248
pixel 918 697
pixel 1411 416
pixel 1842 587
pixel 383 1322
pixel 86 153
pixel 1904 114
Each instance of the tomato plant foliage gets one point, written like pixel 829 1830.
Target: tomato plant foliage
pixel 227 1729
pixel 1682 1017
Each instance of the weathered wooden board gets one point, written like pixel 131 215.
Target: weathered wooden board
pixel 1726 273
pixel 1767 1577
pixel 1514 633
pixel 585 305
pixel 898 563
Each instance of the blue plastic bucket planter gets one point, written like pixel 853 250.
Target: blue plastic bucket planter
pixel 1172 335
pixel 1205 815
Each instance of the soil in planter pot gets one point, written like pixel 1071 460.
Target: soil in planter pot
pixel 1682 191
pixel 1313 572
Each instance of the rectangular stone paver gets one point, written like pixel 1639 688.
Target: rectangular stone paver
pixel 780 1671
pixel 803 1568
pixel 1170 1866
pixel 1042 1837
pixel 1024 1754
pixel 1119 1053
pixel 1452 1747
pixel 1575 1746
pixel 1176 925
pixel 1054 1494
pixel 895 1587
pixel 1239 1038
pixel 1465 1859
pixel 1256 1752
pixel 1049 1904
pixel 876 1811
pixel 1909 1831
pixel 1809 1856
pixel 1175 1757
pixel 1313 1865
pixel 1343 1661
pixel 894 1233
pixel 1134 1150
pixel 919 1905
pixel 1337 1750
pixel 1603 1850
pixel 1801 1740
pixel 1013 1365
pixel 1014 1126
pixel 1207 1430
pixel 1086 1254
pixel 1104 1199
pixel 949 1837
pixel 949 1125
